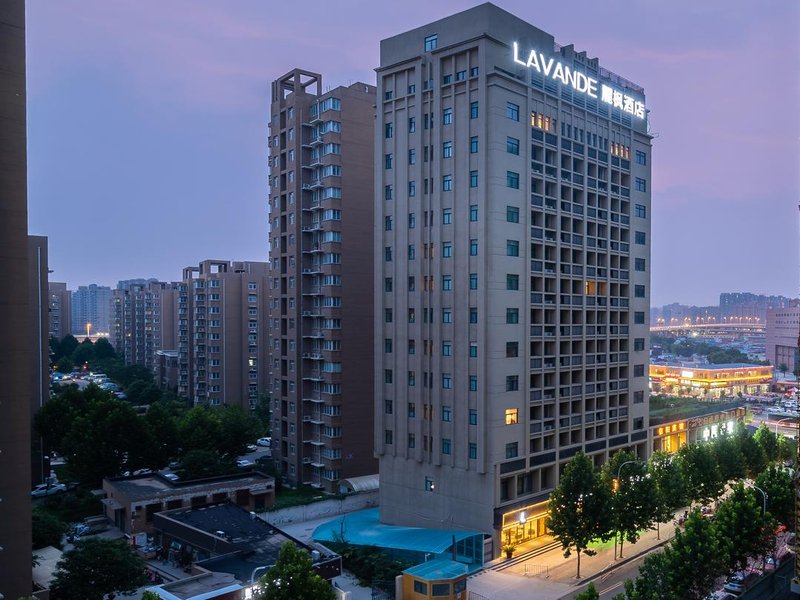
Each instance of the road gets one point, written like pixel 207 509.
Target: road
pixel 610 584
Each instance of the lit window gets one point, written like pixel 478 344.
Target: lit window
pixel 512 416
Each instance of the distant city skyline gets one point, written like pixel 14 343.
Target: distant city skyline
pixel 148 126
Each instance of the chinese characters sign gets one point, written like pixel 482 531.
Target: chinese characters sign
pixel 579 81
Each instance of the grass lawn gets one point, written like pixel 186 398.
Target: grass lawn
pixel 298 497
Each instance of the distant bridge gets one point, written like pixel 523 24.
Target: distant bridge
pixel 709 328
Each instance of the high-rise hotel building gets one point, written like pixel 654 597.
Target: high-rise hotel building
pixel 321 279
pixel 512 271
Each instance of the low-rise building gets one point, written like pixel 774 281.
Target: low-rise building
pixel 166 369
pixel 132 502
pixel 730 379
pixel 669 432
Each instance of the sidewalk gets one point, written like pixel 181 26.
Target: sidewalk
pixel 554 575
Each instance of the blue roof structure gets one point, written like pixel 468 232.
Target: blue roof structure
pixel 363 528
pixel 438 569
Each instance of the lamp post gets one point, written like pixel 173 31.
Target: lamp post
pixel 763 493
pixel 616 487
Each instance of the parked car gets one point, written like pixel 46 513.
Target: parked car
pixel 264 441
pixel 171 476
pixel 771 564
pixel 735 584
pixel 243 462
pixel 47 489
pixel 252 447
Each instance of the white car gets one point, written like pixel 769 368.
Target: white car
pixel 252 447
pixel 44 489
pixel 243 462
pixel 264 441
pixel 171 476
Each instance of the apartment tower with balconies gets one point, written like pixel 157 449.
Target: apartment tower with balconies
pixel 321 275
pixel 512 250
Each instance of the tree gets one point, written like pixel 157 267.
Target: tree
pixel 742 529
pixel 652 582
pixel 783 368
pixel 202 463
pixel 754 458
pixel 729 457
pixel 293 579
pixel 578 508
pixel 163 429
pixel 700 472
pixel 590 593
pixel 148 595
pixel 83 353
pixel 670 489
pixel 767 441
pixel 64 364
pixel 633 503
pixel 104 349
pixel 48 530
pixel 777 483
pixel 53 420
pixel 199 429
pixel 237 429
pixel 693 560
pixel 263 412
pixel 98 567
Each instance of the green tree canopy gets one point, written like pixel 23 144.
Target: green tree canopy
pixel 202 463
pixel 777 483
pixel 104 349
pixel 742 529
pixel 693 559
pixel 701 473
pixel 754 459
pixel 633 503
pixel 237 429
pixel 579 507
pixel 48 529
pixel 728 455
pixel 670 488
pixel 767 440
pixel 293 579
pixel 97 568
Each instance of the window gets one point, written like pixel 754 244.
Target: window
pixel 387 345
pixel 447 116
pixel 387 284
pixel 445 446
pixel 473 110
pixel 512 214
pixel 640 185
pixel 473 416
pixel 447 315
pixel 461 75
pixel 388 436
pixel 412 123
pixel 412 409
pixel 512 282
pixel 447 413
pixel 473 72
pixel 431 42
pixel 429 487
pixel 638 370
pixel 447 381
pixel 387 254
pixel 447 79
pixel 473 179
pixel 512 248
pixel 473 350
pixel 639 291
pixel 640 237
pixel 388 130
pixel 473 315
pixel 412 156
pixel 473 281
pixel 638 318
pixel 639 264
pixel 638 344
pixel 512 145
pixel 387 315
pixel 512 179
pixel 512 111
pixel 512 414
pixel 387 161
pixel 447 348
pixel 447 216
pixel 412 189
pixel 388 94
pixel 641 157
pixel 473 212
pixel 387 192
pixel 473 144
pixel 512 349
pixel 640 211
pixel 447 183
pixel 447 250
pixel 447 283
pixel 412 442
pixel 447 150
pixel 412 220
pixel 473 451
pixel 638 397
pixel 512 316
pixel 387 376
pixel 512 450
pixel 473 247
pixel 512 385
pixel 412 283
pixel 387 223
pixel 388 406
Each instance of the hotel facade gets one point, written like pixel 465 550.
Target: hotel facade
pixel 512 250
pixel 321 279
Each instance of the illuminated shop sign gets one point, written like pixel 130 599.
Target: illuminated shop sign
pixel 550 67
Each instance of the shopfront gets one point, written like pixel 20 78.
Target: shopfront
pixel 524 524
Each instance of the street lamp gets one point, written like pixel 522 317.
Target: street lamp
pixel 781 421
pixel 763 493
pixel 616 488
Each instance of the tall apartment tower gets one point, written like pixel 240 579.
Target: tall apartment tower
pixel 60 300
pixel 91 306
pixel 783 331
pixel 144 320
pixel 39 308
pixel 512 288
pixel 221 314
pixel 321 270
pixel 15 431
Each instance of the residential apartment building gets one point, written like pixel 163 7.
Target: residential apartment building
pixel 321 277
pixel 60 299
pixel 38 303
pixel 783 333
pixel 144 320
pixel 91 308
pixel 15 394
pixel 221 315
pixel 512 271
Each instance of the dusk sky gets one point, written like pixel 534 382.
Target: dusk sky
pixel 147 125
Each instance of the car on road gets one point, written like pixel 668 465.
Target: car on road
pixel 171 476
pixel 243 462
pixel 252 448
pixel 735 584
pixel 771 564
pixel 264 441
pixel 48 489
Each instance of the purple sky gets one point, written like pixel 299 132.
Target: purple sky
pixel 147 125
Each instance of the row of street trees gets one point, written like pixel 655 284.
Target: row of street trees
pixel 627 495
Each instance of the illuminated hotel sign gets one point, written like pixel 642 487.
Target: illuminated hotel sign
pixel 550 67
